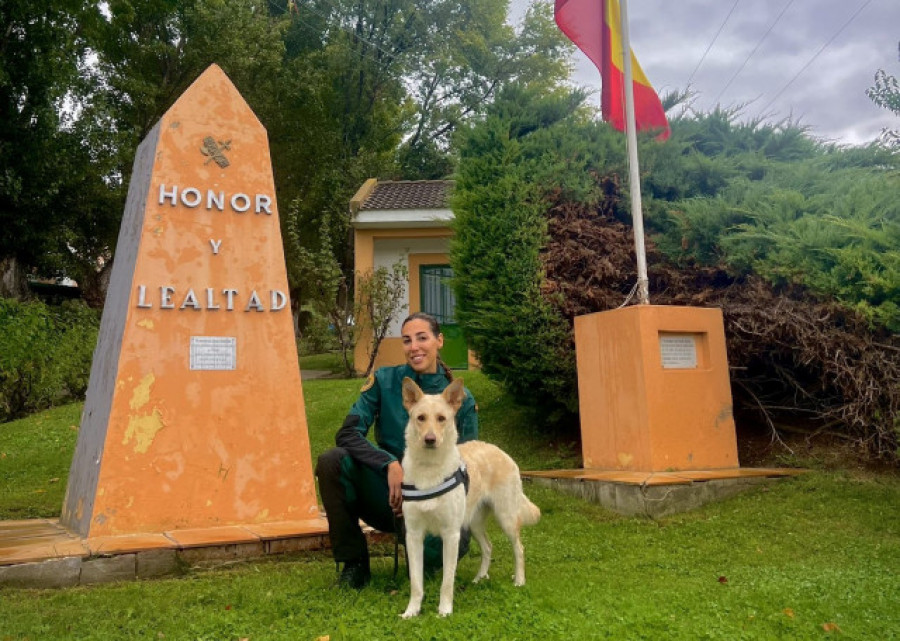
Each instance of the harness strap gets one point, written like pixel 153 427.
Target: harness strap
pixel 459 477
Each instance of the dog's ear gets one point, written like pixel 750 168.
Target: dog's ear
pixel 455 394
pixel 411 392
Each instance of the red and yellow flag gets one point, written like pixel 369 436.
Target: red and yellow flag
pixel 595 28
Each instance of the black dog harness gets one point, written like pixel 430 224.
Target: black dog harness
pixel 459 477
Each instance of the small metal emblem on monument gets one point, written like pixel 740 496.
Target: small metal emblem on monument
pixel 215 151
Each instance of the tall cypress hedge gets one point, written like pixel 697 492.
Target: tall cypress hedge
pixel 529 153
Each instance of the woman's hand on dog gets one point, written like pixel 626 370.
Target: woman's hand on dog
pixel 395 480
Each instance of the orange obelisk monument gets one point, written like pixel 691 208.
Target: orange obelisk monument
pixel 194 415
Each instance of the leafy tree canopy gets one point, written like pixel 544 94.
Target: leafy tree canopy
pixel 41 48
pixel 886 93
pixel 347 89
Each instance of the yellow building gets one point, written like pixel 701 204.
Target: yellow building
pixel 408 221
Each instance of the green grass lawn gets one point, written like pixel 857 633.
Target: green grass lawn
pixel 328 362
pixel 816 557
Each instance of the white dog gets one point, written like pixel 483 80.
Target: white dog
pixel 437 501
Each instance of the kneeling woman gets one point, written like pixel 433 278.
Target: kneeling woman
pixel 361 480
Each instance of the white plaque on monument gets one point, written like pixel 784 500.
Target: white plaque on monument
pixel 678 351
pixel 213 352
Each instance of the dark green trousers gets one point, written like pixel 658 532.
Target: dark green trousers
pixel 350 492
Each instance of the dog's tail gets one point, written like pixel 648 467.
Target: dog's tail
pixel 529 513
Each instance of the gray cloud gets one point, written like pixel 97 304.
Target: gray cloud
pixel 828 96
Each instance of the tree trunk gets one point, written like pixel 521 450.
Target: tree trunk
pixel 94 285
pixel 12 279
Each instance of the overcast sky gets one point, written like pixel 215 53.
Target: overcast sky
pixel 759 52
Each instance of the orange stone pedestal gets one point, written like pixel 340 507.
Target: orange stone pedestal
pixel 653 390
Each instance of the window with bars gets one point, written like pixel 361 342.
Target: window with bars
pixel 437 296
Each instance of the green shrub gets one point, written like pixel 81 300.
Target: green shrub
pixel 832 230
pixel 529 153
pixel 45 354
pixel 77 326
pixel 316 335
pixel 27 378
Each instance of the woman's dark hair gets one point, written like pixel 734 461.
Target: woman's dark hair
pixel 433 324
pixel 435 328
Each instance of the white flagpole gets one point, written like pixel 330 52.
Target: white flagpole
pixel 634 180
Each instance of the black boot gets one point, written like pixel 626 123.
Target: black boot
pixel 356 574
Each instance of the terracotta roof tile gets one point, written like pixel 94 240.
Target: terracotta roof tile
pixel 410 194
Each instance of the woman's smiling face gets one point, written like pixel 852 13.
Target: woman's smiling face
pixel 420 346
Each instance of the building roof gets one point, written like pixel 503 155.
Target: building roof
pixel 408 194
pixel 402 204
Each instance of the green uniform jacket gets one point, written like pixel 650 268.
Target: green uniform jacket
pixel 381 404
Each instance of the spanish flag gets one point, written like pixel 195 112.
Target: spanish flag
pixel 595 28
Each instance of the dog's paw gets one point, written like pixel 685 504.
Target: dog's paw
pixel 445 612
pixel 518 582
pixel 480 578
pixel 410 613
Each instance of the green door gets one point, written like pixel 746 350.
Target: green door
pixel 438 300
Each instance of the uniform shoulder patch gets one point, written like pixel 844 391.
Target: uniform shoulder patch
pixel 370 382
